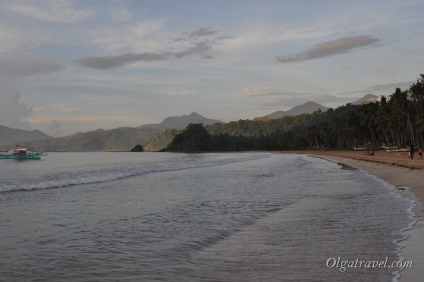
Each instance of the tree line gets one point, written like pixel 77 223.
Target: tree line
pixel 397 121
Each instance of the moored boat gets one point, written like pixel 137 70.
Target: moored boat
pixel 395 149
pixel 22 154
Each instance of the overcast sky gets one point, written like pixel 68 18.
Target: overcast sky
pixel 69 66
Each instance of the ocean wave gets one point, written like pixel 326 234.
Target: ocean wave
pixel 107 174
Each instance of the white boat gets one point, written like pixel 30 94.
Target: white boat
pixel 360 148
pixel 395 149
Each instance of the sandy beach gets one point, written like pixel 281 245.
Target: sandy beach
pixel 406 175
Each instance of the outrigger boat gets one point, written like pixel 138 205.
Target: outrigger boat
pixel 395 149
pixel 22 154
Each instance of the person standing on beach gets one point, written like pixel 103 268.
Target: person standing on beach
pixel 420 152
pixel 412 151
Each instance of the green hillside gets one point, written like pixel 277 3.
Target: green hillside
pixel 396 121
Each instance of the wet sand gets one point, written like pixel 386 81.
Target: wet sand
pixel 407 176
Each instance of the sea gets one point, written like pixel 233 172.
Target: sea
pixel 121 216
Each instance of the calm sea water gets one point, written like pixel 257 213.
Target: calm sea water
pixel 194 217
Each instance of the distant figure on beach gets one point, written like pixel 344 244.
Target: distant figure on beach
pixel 420 152
pixel 412 151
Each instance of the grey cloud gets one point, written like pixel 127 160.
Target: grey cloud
pixel 110 62
pixel 201 32
pixel 198 42
pixel 55 128
pixel 330 48
pixel 55 125
pixel 12 111
pixel 200 48
pixel 102 63
pixel 18 67
pixel 382 89
pixel 391 87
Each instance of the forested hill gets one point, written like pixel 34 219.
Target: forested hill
pixel 397 120
pixel 253 134
pixel 266 127
pixel 10 136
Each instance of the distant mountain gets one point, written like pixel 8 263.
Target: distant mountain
pixel 369 98
pixel 181 122
pixel 119 139
pixel 9 136
pixel 306 108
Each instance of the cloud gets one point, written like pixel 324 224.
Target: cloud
pixel 110 62
pixel 201 47
pixel 62 107
pixel 331 48
pixel 19 67
pixel 55 128
pixel 130 36
pixel 381 89
pixel 120 12
pixel 386 71
pixel 12 112
pixel 390 88
pixel 49 10
pixel 55 125
pixel 258 89
pixel 201 32
pixel 14 38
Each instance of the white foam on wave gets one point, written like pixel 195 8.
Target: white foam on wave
pixel 412 217
pixel 394 192
pixel 110 174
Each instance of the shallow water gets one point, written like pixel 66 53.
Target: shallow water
pixel 196 217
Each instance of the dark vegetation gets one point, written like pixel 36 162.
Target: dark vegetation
pixel 137 148
pixel 394 121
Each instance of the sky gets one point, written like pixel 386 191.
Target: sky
pixel 69 66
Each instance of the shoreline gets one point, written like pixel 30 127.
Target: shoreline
pixel 406 176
